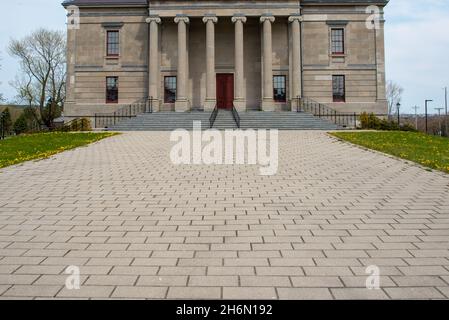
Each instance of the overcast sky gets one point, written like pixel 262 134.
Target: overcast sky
pixel 417 43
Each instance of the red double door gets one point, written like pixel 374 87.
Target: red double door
pixel 225 90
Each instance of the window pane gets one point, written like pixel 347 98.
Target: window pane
pixel 169 89
pixel 113 43
pixel 337 41
pixel 279 89
pixel 338 88
pixel 112 90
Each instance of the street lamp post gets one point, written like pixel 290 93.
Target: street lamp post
pixel 398 106
pixel 426 102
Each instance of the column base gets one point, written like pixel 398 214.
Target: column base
pixel 294 105
pixel 209 105
pixel 240 105
pixel 156 105
pixel 182 105
pixel 268 105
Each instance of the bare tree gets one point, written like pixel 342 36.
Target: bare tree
pixel 27 92
pixel 1 95
pixel 394 96
pixel 42 57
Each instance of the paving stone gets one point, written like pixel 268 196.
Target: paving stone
pixel 162 281
pixel 421 281
pixel 358 294
pixel 223 271
pixel 197 293
pixel 32 291
pixel 304 294
pixel 111 280
pixel 252 293
pixel 316 282
pixel 213 281
pixel 87 292
pixel 139 292
pixel 414 293
pixel 265 281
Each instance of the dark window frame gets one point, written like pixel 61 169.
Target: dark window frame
pixel 113 43
pixel 339 88
pixel 338 41
pixel 112 92
pixel 170 89
pixel 280 85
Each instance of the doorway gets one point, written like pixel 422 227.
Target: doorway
pixel 225 90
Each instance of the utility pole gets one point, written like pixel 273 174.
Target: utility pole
pixel 446 123
pixel 416 117
pixel 439 119
pixel 427 115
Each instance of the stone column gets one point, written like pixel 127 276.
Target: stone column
pixel 267 100
pixel 295 76
pixel 153 61
pixel 380 63
pixel 182 103
pixel 211 98
pixel 70 78
pixel 240 97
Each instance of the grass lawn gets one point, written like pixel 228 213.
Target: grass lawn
pixel 429 151
pixel 43 145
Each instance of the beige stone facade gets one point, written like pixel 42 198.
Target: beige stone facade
pixel 253 41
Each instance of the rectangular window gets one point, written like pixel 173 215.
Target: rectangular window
pixel 169 89
pixel 338 41
pixel 112 90
pixel 279 88
pixel 338 88
pixel 113 43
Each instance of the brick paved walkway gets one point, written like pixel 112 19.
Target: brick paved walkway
pixel 139 227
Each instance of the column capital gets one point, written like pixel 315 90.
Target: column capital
pixel 238 17
pixel 182 18
pixel 156 19
pixel 295 17
pixel 210 17
pixel 267 17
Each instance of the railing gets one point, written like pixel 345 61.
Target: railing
pixel 236 116
pixel 345 120
pixel 213 117
pixel 105 120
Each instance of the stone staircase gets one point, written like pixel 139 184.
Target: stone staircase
pixel 224 120
pixel 163 121
pixel 168 121
pixel 284 121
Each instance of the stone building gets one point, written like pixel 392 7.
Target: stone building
pixel 251 54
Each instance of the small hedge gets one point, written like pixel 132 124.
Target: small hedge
pixel 370 121
pixel 82 124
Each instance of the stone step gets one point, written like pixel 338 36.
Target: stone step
pixel 166 121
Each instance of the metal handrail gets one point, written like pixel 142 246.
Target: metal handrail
pixel 104 120
pixel 346 120
pixel 213 117
pixel 236 116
